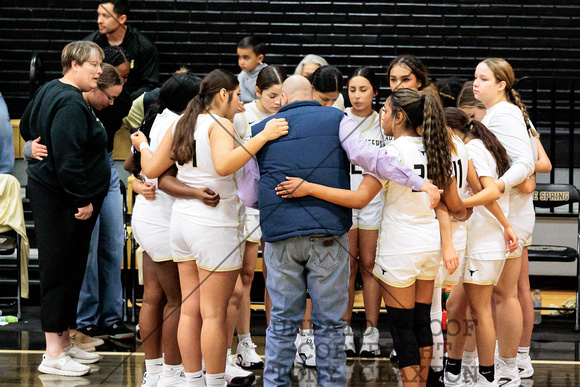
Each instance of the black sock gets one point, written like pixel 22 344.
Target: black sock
pixel 453 366
pixel 487 372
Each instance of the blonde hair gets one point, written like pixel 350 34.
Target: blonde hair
pixel 310 58
pixel 79 51
pixel 503 72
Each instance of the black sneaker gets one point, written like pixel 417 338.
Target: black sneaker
pixel 118 331
pixel 94 331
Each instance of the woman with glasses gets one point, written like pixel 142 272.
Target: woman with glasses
pixel 66 189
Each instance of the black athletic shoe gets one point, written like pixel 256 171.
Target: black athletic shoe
pixel 119 331
pixel 94 332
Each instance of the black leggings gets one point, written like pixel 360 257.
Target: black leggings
pixel 63 247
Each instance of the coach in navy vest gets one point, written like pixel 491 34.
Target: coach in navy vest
pixel 306 238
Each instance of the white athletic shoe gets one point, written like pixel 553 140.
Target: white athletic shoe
pixel 349 347
pixel 305 350
pixel 524 363
pixel 62 365
pixel 482 382
pixel 370 345
pixel 452 380
pixel 150 380
pixel 81 356
pixel 236 376
pixel 247 357
pixel 177 380
pixel 507 376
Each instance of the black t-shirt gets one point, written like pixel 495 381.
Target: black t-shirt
pixel 77 161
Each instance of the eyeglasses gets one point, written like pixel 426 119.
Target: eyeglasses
pixel 95 64
pixel 110 97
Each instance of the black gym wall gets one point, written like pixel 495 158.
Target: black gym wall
pixel 538 37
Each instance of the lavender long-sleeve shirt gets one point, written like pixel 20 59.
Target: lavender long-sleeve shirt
pixel 372 159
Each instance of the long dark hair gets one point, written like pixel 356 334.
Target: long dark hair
pixel 183 146
pixel 327 79
pixel 458 120
pixel 174 95
pixel 426 111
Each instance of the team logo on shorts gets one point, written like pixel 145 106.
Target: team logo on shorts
pixel 472 271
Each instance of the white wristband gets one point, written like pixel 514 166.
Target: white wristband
pixel 144 144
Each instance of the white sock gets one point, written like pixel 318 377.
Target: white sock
pixel 469 357
pixel 170 371
pixel 215 380
pixel 194 379
pixel 437 331
pixel 245 337
pixel 154 366
pixel 307 332
pixel 228 353
pixel 525 351
pixel 510 362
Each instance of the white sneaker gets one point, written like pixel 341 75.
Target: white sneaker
pixel 177 380
pixel 236 376
pixel 452 380
pixel 150 380
pixel 81 356
pixel 247 357
pixel 349 347
pixel 482 382
pixel 305 351
pixel 524 363
pixel 507 376
pixel 62 365
pixel 370 345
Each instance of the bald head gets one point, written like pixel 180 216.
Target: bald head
pixel 296 88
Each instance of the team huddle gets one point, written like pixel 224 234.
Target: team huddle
pixel 432 189
pixel 407 241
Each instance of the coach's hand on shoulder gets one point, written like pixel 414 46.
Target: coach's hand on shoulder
pixel 275 128
pixel 433 192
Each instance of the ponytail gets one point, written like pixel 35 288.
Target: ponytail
pixel 426 111
pixel 183 145
pixel 437 142
pixel 517 100
pixel 458 120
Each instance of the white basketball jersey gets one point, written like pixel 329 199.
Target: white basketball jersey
pixel 485 233
pixel 243 124
pixel 200 173
pixel 243 121
pixel 156 211
pixel 460 165
pixel 408 224
pixel 371 130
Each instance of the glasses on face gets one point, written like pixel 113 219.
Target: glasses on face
pixel 94 63
pixel 110 97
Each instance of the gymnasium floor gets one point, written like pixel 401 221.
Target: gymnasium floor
pixel 555 348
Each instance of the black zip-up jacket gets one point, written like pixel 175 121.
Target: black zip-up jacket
pixel 142 54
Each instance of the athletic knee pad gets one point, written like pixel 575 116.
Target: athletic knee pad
pixel 405 342
pixel 423 325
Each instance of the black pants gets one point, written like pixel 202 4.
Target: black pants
pixel 63 247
